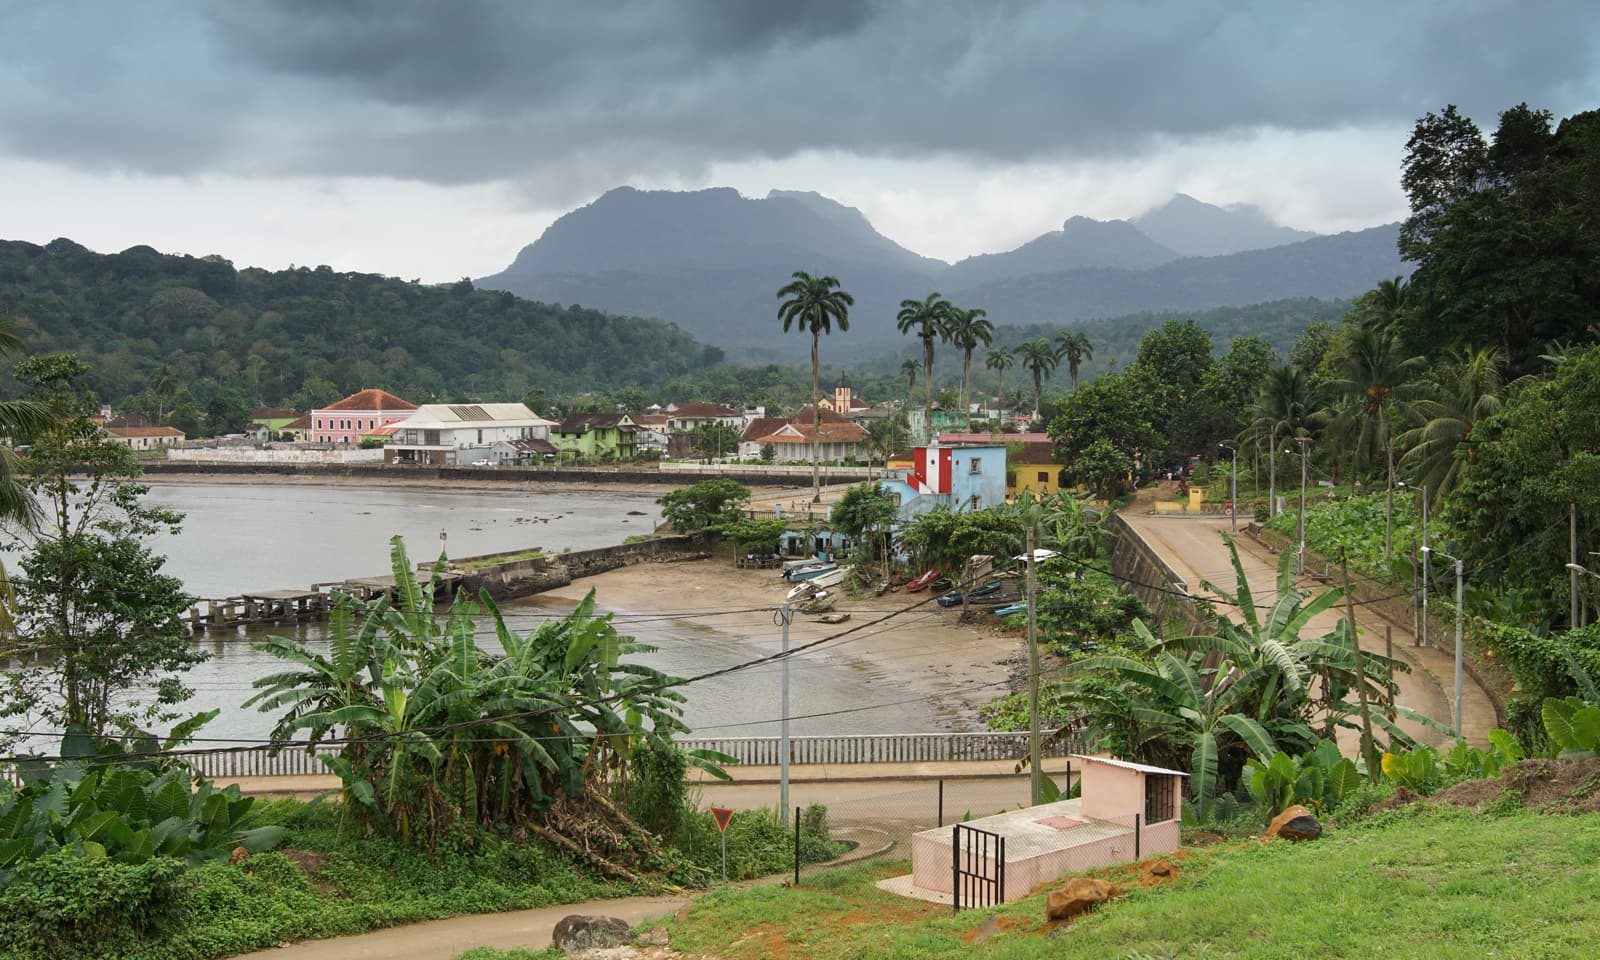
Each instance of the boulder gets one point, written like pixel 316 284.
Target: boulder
pixel 578 932
pixel 1079 895
pixel 1295 823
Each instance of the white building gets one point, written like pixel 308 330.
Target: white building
pixel 463 433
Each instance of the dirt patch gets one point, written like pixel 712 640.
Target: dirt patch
pixel 311 863
pixel 1400 798
pixel 1554 786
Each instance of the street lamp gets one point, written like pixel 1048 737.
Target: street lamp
pixel 1302 442
pixel 1424 489
pixel 1233 496
pixel 1460 574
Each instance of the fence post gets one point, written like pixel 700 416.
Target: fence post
pixel 941 802
pixel 797 846
pixel 1000 871
pixel 1138 830
pixel 955 866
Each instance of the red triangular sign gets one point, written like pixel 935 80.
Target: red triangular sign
pixel 722 815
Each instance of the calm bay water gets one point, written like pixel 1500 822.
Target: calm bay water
pixel 239 537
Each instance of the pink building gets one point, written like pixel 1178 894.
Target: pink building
pixel 356 415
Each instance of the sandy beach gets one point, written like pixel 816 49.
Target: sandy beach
pixel 912 648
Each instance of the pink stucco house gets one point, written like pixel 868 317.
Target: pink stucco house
pixel 358 414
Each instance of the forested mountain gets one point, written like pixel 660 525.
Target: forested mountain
pixel 1195 228
pixel 711 261
pixel 305 336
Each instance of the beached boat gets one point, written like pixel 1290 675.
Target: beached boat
pixel 803 590
pixel 802 562
pixel 833 577
pixel 833 618
pixel 812 572
pixel 821 603
pixel 1009 609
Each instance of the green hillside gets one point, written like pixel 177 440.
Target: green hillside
pixel 304 336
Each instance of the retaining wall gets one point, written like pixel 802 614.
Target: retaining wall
pixel 445 474
pixel 524 576
pixel 1148 577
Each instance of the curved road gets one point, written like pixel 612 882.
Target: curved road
pixel 1195 551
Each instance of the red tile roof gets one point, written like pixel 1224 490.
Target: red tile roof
pixel 998 439
pixel 273 413
pixel 831 433
pixel 371 400
pixel 130 432
pixel 761 427
pixel 304 423
pixel 701 410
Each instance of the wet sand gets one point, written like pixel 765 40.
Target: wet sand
pixel 904 648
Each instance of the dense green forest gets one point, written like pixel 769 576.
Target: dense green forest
pixel 305 336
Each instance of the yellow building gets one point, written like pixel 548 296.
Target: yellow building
pixel 1034 467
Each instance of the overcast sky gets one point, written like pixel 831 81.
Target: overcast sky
pixel 433 140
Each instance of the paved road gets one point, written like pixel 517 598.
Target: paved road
pixel 1195 551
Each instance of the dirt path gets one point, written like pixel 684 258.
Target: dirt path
pixel 444 939
pixel 1195 550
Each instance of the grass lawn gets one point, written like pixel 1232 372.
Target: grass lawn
pixel 1416 883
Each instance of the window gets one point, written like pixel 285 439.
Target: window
pixel 1044 476
pixel 1158 797
pixel 319 424
pixel 977 465
pixel 976 503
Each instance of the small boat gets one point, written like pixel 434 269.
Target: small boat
pixel 954 598
pixel 811 572
pixel 821 603
pixel 802 562
pixel 987 590
pixel 1009 609
pixel 833 618
pixel 832 578
pixel 803 590
pixel 921 582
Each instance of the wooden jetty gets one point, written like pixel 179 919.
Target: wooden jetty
pixel 299 606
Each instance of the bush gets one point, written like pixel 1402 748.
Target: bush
pixel 67 906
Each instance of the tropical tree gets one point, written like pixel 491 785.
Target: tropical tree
pixel 19 421
pixel 814 305
pixel 1382 307
pixel 1467 390
pixel 929 320
pixel 1041 360
pixel 1285 407
pixel 968 328
pixel 163 387
pixel 1000 361
pixel 908 369
pixel 1074 345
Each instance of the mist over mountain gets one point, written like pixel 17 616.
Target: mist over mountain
pixel 1195 228
pixel 711 262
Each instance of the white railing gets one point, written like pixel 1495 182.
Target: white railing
pixel 756 751
pixel 778 470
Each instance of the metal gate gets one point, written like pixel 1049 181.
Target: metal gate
pixel 977 867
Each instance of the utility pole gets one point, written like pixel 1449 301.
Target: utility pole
pixel 1303 442
pixel 1572 542
pixel 1368 751
pixel 1036 781
pixel 783 729
pixel 1460 601
pixel 1233 496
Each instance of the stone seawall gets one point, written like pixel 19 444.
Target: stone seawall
pixel 396 474
pixel 1144 574
pixel 519 576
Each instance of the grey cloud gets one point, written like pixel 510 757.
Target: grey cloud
pixel 582 96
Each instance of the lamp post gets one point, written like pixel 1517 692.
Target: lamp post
pixel 1460 574
pixel 1424 489
pixel 1302 442
pixel 1233 495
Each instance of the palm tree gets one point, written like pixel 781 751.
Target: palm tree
pixel 163 386
pixel 1468 390
pixel 1383 305
pixel 1075 346
pixel 814 305
pixel 18 419
pixel 967 329
pixel 909 368
pixel 1000 361
pixel 1041 359
pixel 1283 408
pixel 930 319
pixel 1378 379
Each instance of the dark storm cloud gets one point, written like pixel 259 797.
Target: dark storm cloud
pixel 580 95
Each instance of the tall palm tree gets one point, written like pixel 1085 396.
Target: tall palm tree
pixel 1468 389
pixel 967 329
pixel 1041 359
pixel 1380 307
pixel 1076 348
pixel 1285 407
pixel 163 386
pixel 1000 361
pixel 929 319
pixel 1378 379
pixel 813 305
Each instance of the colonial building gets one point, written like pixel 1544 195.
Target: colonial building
pixel 1031 460
pixel 959 478
pixel 357 414
pixel 601 436
pixel 688 417
pixel 835 441
pixel 145 438
pixel 463 433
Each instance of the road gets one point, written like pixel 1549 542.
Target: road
pixel 1195 550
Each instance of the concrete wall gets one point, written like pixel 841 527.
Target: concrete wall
pixel 1147 576
pixel 252 456
pixel 435 474
pixel 525 576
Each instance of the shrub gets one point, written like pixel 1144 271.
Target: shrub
pixel 62 905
